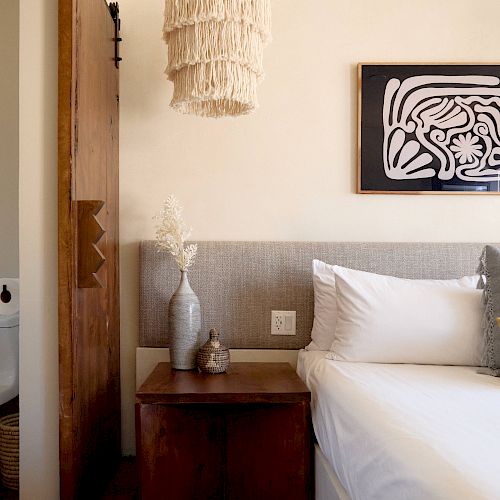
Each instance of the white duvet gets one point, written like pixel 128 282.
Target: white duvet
pixel 406 431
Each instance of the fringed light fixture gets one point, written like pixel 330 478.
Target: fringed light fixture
pixel 215 50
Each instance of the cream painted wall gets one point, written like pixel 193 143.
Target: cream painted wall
pixel 39 392
pixel 9 138
pixel 286 172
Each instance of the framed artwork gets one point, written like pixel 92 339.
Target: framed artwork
pixel 429 128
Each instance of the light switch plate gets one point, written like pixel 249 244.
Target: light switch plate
pixel 283 322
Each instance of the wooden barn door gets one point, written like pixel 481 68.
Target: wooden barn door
pixel 89 357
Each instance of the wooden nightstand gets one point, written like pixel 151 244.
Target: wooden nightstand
pixel 245 434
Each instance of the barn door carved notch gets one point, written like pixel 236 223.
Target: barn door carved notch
pixel 90 232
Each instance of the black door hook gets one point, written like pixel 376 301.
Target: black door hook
pixel 114 9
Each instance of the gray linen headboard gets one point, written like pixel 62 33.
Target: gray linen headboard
pixel 239 283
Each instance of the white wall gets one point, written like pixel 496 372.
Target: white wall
pixel 39 392
pixel 288 171
pixel 9 138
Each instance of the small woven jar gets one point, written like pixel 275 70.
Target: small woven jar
pixel 213 357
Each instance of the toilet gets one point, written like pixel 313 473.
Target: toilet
pixel 9 339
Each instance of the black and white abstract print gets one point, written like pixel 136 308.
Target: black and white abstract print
pixel 430 128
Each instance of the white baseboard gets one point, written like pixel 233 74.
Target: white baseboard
pixel 148 357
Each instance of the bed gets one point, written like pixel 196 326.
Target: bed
pixel 383 431
pixel 403 431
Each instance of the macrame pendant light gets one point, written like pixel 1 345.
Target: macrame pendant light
pixel 215 52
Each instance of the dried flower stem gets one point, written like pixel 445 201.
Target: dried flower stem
pixel 172 233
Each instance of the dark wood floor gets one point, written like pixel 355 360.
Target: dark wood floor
pixel 6 494
pixel 125 484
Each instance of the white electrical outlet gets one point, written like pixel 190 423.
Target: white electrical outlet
pixel 283 322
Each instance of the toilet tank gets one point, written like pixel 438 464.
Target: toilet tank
pixel 9 348
pixel 9 339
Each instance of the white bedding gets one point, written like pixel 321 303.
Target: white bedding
pixel 406 431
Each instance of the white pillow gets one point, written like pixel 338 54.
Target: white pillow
pixel 325 307
pixel 392 320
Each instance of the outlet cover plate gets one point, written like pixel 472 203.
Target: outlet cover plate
pixel 283 322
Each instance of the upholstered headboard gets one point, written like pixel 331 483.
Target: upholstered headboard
pixel 239 283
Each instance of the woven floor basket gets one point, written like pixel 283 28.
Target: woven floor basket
pixel 9 451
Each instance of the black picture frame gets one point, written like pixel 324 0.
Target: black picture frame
pixel 429 128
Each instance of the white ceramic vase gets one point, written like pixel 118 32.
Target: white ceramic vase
pixel 184 324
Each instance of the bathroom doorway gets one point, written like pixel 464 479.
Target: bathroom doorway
pixel 9 246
